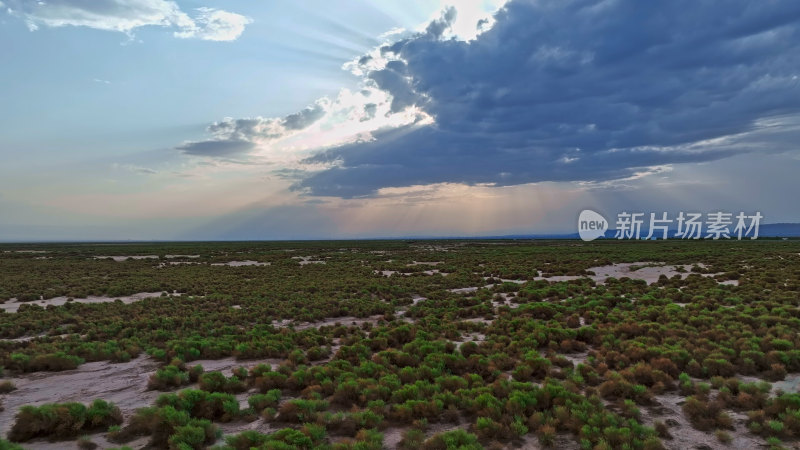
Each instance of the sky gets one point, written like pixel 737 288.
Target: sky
pixel 236 119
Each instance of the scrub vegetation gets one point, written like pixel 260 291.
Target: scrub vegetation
pixel 379 344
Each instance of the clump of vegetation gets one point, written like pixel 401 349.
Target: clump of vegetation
pixel 459 439
pixel 217 382
pixel 170 376
pixel 169 427
pixel 259 402
pixel 215 406
pixel 705 415
pixel 63 420
pixel 307 437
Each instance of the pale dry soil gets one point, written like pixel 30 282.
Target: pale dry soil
pixel 304 260
pixel 650 273
pixel 388 273
pixel 647 271
pixel 13 305
pixel 346 321
pixel 127 257
pixel 684 436
pixel 241 263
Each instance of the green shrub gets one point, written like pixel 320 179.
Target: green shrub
pixel 260 401
pixel 63 420
pixel 163 423
pixel 202 405
pixel 167 377
pixel 5 445
pixel 454 439
pixel 217 382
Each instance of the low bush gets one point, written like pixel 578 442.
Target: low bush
pixel 202 405
pixel 706 415
pixel 169 427
pixel 217 382
pixel 269 400
pixel 455 439
pixel 63 420
pixel 301 410
pixel 7 386
pixel 167 377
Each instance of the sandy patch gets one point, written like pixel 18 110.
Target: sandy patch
pixel 684 436
pixel 416 299
pixel 479 320
pixel 465 290
pixel 30 338
pixel 179 263
pixel 506 280
pixel 434 272
pixel 13 306
pixel 346 321
pixel 649 273
pixel 789 385
pixel 388 273
pixel 125 258
pixel 242 263
pixel 308 260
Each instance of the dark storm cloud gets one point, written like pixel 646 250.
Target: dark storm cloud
pixel 581 91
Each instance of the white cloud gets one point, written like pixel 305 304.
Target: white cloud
pixel 347 118
pixel 216 25
pixel 127 15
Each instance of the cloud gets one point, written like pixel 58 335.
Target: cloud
pixel 285 141
pixel 216 25
pixel 221 147
pixel 127 15
pixel 584 91
pixel 239 136
pixel 577 91
pixel 135 169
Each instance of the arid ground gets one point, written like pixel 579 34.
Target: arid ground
pixel 401 344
